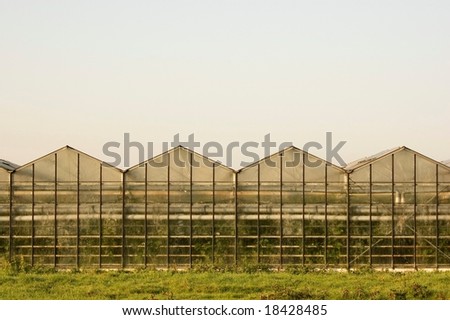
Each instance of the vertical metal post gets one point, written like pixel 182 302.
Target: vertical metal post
pixel 258 222
pixel 146 215
pixel 235 219
pixel 33 202
pixel 370 214
pixel 11 216
pixel 55 235
pixel 326 216
pixel 437 216
pixel 415 211
pixel 100 224
pixel 281 209
pixel 190 209
pixel 123 262
pixel 392 211
pixel 78 213
pixel 168 213
pixel 303 209
pixel 213 227
pixel 348 220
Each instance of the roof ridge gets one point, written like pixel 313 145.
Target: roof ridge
pixel 8 165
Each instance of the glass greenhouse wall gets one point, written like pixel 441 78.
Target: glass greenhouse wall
pixel 400 211
pixel 67 211
pixel 4 210
pixel 181 209
pixel 292 209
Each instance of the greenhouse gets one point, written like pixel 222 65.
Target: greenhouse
pixel 5 173
pixel 66 209
pixel 181 209
pixel 292 209
pixel 399 210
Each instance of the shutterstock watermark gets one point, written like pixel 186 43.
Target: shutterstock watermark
pixel 214 149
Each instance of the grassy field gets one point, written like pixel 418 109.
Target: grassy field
pixel 249 283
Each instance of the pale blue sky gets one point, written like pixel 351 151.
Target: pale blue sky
pixel 375 73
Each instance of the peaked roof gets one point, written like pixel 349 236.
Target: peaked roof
pixel 179 147
pixel 366 160
pixel 293 148
pixel 9 166
pixel 378 156
pixel 67 147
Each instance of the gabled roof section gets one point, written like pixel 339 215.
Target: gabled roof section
pixel 378 156
pixel 8 166
pixel 446 162
pixel 69 148
pixel 367 160
pixel 292 148
pixel 180 147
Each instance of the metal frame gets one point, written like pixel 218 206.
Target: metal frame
pixel 303 209
pixel 78 214
pixel 168 210
pixel 415 211
pixel 283 207
pixel 146 215
pixel 370 215
pixel 258 222
pixel 348 221
pixel 437 216
pixel 11 234
pixel 236 235
pixel 123 262
pixel 100 224
pixel 55 240
pixel 33 230
pixel 392 211
pixel 190 209
pixel 325 242
pixel 213 220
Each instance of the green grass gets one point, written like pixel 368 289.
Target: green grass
pixel 249 283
